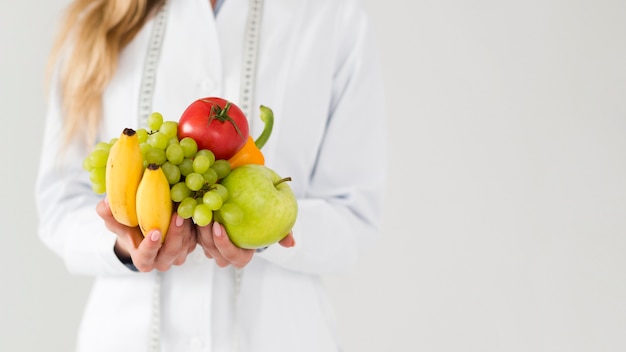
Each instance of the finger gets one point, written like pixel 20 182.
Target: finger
pixel 205 239
pixel 130 238
pixel 131 235
pixel 191 246
pixel 180 260
pixel 236 256
pixel 192 236
pixel 174 244
pixel 288 241
pixel 103 209
pixel 145 255
pixel 188 240
pixel 183 253
pixel 207 253
pixel 221 261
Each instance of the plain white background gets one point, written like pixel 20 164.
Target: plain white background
pixel 506 218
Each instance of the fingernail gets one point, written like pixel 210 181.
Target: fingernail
pixel 106 200
pixel 217 229
pixel 156 235
pixel 179 221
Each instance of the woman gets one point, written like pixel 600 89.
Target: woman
pixel 314 64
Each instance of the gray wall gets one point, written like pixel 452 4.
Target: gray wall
pixel 505 226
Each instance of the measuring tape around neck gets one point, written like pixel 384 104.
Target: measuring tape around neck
pixel 148 78
pixel 250 55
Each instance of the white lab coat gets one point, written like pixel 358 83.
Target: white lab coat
pixel 319 73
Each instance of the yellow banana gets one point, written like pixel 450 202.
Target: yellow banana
pixel 154 205
pixel 123 172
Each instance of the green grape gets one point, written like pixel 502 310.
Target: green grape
pixel 210 176
pixel 97 175
pixel 103 146
pixel 98 188
pixel 194 181
pixel 158 140
pixel 202 215
pixel 155 156
pixel 179 191
pixel 174 154
pixel 231 213
pixel 186 167
pixel 142 135
pixel 201 164
pixel 144 147
pixel 190 147
pixel 208 154
pixel 221 167
pixel 169 128
pixel 221 190
pixel 172 172
pixel 172 141
pixel 113 140
pixel 187 207
pixel 154 122
pixel 87 165
pixel 212 199
pixel 98 158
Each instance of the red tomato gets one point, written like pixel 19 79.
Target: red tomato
pixel 215 124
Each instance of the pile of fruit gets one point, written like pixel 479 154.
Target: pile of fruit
pixel 205 166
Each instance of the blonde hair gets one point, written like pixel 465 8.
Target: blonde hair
pixel 91 37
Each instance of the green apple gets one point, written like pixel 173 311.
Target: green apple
pixel 261 208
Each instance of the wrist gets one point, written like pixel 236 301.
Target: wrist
pixel 124 257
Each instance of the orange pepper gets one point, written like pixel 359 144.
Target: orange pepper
pixel 248 154
pixel 251 153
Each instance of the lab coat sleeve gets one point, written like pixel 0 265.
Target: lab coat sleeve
pixel 66 205
pixel 340 213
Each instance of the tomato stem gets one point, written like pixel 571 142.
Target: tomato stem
pixel 221 114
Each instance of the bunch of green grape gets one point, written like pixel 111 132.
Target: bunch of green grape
pixel 193 174
pixel 95 163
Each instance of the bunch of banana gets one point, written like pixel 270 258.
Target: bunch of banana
pixel 137 197
pixel 154 205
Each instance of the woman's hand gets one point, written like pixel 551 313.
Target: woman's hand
pixel 149 253
pixel 216 244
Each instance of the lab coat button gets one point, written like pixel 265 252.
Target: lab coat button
pixel 196 344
